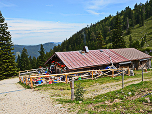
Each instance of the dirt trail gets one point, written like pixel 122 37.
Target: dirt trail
pixel 98 89
pixel 14 99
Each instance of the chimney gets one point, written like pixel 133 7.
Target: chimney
pixel 85 48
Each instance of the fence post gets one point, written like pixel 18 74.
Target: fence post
pixel 72 89
pixel 112 73
pixel 92 75
pixel 19 76
pixel 128 72
pixel 31 82
pixel 142 75
pixel 26 80
pixel 23 79
pixel 66 79
pixel 122 79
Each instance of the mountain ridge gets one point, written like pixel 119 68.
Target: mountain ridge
pixel 33 49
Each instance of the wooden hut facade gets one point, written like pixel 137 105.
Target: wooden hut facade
pixel 99 59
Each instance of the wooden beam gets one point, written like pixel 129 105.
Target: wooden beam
pixel 26 81
pixel 66 80
pixel 72 89
pixel 31 82
pixel 112 73
pixel 19 73
pixel 128 72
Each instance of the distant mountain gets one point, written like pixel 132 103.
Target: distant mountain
pixel 33 49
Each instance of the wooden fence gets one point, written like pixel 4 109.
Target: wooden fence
pixel 31 78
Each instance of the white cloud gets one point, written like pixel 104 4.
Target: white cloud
pixel 49 5
pixel 99 4
pixel 93 12
pixel 94 6
pixel 36 32
pixel 6 5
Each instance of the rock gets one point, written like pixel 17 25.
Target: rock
pixel 147 99
pixel 80 102
pixel 129 93
pixel 116 100
pixel 107 102
pixel 58 105
pixel 141 111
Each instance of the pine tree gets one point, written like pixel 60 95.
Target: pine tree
pixel 130 41
pixel 142 43
pixel 34 63
pixel 41 58
pixel 30 62
pixel 18 62
pixel 117 38
pixel 136 44
pixel 25 64
pixel 7 59
pixel 100 41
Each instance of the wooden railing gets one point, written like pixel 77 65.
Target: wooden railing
pixel 29 77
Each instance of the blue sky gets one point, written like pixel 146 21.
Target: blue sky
pixel 33 22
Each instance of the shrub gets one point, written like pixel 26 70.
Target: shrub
pixel 79 92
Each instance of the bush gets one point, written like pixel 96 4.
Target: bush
pixel 79 92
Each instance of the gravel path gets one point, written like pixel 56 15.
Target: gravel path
pixel 14 99
pixel 98 89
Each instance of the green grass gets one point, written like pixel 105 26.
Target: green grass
pixel 138 32
pixel 24 85
pixel 98 105
pixel 127 106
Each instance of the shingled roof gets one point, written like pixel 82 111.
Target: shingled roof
pixel 131 53
pixel 74 59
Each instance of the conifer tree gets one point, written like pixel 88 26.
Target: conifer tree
pixel 18 62
pixel 100 41
pixel 117 38
pixel 130 41
pixel 25 64
pixel 142 43
pixel 41 58
pixel 30 62
pixel 7 59
pixel 33 64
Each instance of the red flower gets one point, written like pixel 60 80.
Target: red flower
pixel 53 61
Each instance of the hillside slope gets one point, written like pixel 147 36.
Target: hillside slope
pixel 139 32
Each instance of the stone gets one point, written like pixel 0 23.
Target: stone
pixel 80 102
pixel 147 99
pixel 116 100
pixel 129 93
pixel 107 102
pixel 58 105
pixel 141 111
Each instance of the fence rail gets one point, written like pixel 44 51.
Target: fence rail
pixel 29 77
